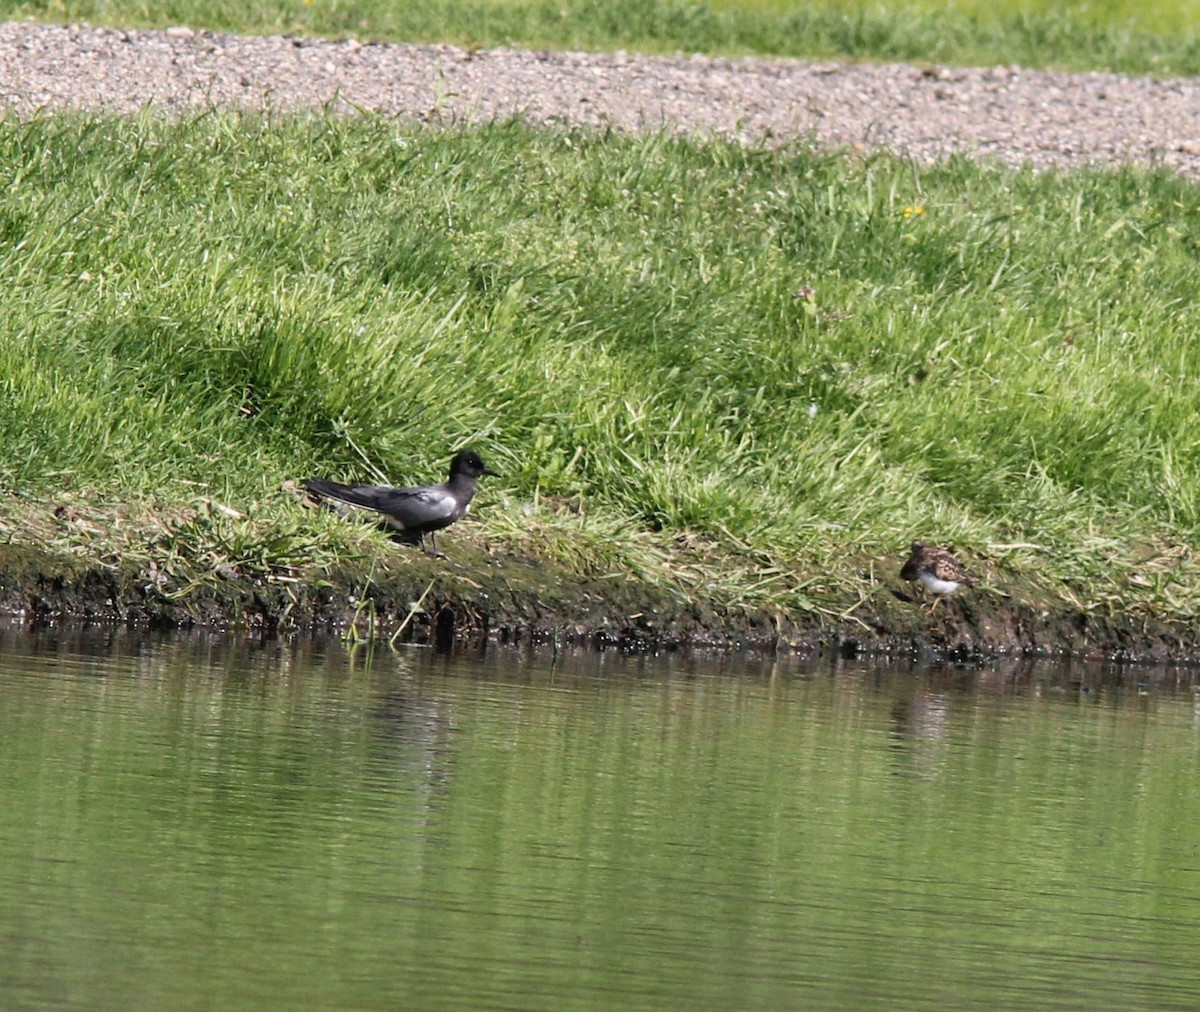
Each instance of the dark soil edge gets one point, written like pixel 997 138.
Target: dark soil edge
pixel 482 596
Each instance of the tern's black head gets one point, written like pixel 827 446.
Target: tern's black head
pixel 469 464
pixel 917 546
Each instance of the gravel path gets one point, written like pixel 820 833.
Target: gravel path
pixel 1013 114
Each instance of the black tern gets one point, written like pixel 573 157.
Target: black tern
pixel 417 511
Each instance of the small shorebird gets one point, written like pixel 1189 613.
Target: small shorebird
pixel 414 512
pixel 937 568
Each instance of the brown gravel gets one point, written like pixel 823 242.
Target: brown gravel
pixel 1018 116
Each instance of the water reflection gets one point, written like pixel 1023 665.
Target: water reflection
pixel 220 820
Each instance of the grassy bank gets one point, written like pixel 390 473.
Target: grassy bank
pixel 196 312
pixel 1118 35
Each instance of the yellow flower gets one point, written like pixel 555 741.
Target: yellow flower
pixel 913 210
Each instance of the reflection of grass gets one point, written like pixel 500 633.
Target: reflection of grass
pixel 1117 35
pixel 195 312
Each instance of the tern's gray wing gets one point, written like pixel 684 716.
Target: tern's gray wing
pixel 412 508
pixel 424 506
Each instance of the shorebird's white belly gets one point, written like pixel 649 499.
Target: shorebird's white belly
pixel 939 586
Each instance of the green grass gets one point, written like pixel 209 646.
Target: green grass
pixel 1117 35
pixel 195 312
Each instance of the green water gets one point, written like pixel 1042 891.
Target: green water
pixel 209 824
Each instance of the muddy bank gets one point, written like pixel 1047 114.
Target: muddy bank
pixel 482 595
